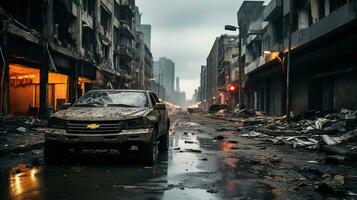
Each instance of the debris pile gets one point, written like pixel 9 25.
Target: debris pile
pixel 311 130
pixel 19 134
pixel 15 125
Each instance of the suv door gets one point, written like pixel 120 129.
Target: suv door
pixel 162 119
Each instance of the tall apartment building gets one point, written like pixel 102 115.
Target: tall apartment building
pixel 54 51
pixel 144 62
pixel 216 75
pixel 164 71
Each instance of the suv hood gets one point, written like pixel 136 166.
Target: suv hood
pixel 100 113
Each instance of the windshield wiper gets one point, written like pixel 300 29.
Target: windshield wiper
pixel 121 105
pixel 89 105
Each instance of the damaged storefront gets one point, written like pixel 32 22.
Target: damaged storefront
pixel 41 65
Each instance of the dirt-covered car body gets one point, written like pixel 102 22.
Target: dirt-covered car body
pixel 109 119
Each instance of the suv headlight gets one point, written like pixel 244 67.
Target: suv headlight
pixel 57 123
pixel 137 123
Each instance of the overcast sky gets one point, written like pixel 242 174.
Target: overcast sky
pixel 184 31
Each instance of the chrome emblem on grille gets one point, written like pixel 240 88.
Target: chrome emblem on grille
pixel 93 126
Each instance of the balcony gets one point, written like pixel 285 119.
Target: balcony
pixel 128 4
pixel 124 51
pixel 272 9
pixel 326 25
pixel 124 26
pixel 254 65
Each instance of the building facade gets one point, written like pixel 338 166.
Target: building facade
pixel 217 74
pixel 144 62
pixel 54 51
pixel 322 65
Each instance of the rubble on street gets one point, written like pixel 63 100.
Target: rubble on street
pixel 335 133
pixel 20 134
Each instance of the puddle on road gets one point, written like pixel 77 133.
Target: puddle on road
pixel 182 162
pixel 17 181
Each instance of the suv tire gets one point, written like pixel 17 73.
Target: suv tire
pixel 164 142
pixel 149 152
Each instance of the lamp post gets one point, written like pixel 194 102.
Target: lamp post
pixel 241 67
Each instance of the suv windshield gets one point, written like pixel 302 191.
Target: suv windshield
pixel 114 98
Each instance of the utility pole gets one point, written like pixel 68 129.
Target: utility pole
pixel 241 71
pixel 289 61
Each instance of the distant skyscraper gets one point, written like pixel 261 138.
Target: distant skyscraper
pixel 178 84
pixel 164 71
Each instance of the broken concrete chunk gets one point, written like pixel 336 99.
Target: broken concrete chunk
pixel 331 140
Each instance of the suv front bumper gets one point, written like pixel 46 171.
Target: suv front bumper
pixel 125 136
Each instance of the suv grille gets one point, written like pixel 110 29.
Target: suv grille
pixel 104 127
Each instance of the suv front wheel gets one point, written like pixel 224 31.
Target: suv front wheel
pixel 164 142
pixel 149 151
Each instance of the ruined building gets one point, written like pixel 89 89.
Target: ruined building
pixel 52 51
pixel 323 69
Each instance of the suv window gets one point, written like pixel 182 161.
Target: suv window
pixel 155 97
pixel 153 100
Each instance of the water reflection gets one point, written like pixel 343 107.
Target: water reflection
pixel 228 146
pixel 23 179
pixel 102 176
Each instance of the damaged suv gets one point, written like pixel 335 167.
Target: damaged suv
pixel 110 119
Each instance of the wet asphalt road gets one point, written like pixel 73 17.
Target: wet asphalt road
pixel 198 166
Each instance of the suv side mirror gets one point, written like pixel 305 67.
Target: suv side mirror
pixel 65 106
pixel 160 106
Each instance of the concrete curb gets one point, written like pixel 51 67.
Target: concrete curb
pixel 23 148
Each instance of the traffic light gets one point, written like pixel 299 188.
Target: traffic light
pixel 232 88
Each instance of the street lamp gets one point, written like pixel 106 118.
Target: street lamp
pixel 241 67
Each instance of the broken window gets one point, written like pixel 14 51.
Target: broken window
pixel 63 22
pixel 117 11
pixel 105 49
pixel 126 17
pixel 125 42
pixel 88 38
pixel 116 36
pixel 335 4
pixel 88 6
pixel 105 20
pixel 116 61
pixel 29 13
